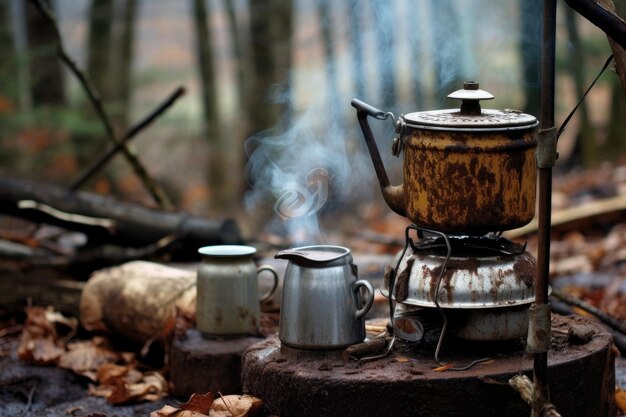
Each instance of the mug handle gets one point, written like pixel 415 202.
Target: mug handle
pixel 370 297
pixel 273 289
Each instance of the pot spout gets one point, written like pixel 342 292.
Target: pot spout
pixel 393 195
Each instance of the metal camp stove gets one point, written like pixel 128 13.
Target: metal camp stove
pixel 474 288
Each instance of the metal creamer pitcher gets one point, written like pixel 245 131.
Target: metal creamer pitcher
pixel 322 307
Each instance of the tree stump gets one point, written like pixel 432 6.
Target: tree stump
pixel 200 365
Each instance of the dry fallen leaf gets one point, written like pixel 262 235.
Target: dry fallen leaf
pixel 620 399
pixel 86 357
pixel 109 373
pixel 56 317
pixel 199 403
pixel 169 411
pixel 236 406
pixel 125 384
pixel 39 341
pixel 205 405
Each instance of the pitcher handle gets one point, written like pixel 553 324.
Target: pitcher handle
pixel 370 297
pixel 274 286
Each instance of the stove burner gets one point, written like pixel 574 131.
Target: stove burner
pixel 474 269
pixel 468 246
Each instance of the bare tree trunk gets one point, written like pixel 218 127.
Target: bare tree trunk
pixel 586 137
pixel 332 88
pixel 123 64
pixel 99 51
pixel 241 49
pixel 216 169
pixel 357 48
pixel 46 77
pixel 385 32
pixel 270 33
pixel 447 44
pixel 100 44
pixel 8 60
pixel 417 74
pixel 530 52
pixel 618 51
pixel 616 140
pixel 8 77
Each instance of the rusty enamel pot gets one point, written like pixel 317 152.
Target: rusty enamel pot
pixel 467 170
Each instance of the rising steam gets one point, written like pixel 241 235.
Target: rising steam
pixel 315 163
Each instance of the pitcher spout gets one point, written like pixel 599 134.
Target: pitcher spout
pixel 316 255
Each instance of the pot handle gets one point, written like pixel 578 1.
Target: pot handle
pixel 362 111
pixel 372 111
pixel 394 196
pixel 271 292
pixel 370 297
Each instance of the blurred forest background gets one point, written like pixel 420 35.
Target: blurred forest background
pixel 268 88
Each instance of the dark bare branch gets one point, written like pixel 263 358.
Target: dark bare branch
pixel 101 160
pixel 94 97
pixel 132 224
pixel 601 315
pixel 609 22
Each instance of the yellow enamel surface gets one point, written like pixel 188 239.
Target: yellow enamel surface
pixel 479 181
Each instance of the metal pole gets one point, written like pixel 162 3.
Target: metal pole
pixel 539 323
pixel 539 327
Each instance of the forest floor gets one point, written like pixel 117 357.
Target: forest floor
pixel 588 261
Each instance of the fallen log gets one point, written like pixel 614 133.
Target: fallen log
pixel 605 211
pixel 40 288
pixel 105 219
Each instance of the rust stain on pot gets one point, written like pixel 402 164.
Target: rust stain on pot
pixel 469 265
pixel 497 277
pixel 525 269
pixel 514 163
pixel 402 282
pixel 469 182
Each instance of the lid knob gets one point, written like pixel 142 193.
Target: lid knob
pixel 470 97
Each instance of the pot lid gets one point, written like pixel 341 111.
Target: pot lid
pixel 470 115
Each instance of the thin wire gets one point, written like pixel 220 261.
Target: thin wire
pixel 444 266
pixel 444 328
pixel 392 307
pixel 569 116
pixel 392 281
